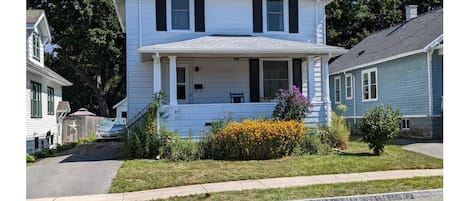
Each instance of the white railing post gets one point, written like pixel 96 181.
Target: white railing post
pixel 325 88
pixel 172 81
pixel 156 73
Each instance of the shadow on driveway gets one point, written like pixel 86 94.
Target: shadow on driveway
pixel 99 151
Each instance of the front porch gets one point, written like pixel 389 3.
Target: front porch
pixel 199 86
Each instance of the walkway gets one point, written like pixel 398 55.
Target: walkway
pixel 251 184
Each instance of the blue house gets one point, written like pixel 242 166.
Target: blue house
pixel 401 66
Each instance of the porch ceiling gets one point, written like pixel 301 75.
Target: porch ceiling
pixel 247 46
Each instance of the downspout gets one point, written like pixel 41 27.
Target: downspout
pixel 139 23
pixel 430 88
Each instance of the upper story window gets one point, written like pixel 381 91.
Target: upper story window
pixel 348 87
pixel 180 19
pixel 370 85
pixel 337 89
pixel 275 15
pixel 36 47
pixel 36 104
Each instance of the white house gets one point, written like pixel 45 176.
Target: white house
pixel 121 109
pixel 206 56
pixel 43 87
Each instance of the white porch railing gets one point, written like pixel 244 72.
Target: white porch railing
pixel 189 120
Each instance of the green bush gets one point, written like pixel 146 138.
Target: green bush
pixel 292 105
pixel 174 148
pixel 314 142
pixel 89 139
pixel 378 126
pixel 338 133
pixel 30 158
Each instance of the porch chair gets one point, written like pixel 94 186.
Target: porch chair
pixel 237 97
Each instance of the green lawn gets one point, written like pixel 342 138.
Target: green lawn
pixel 136 175
pixel 325 190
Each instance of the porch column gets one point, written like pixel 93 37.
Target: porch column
pixel 311 78
pixel 325 88
pixel 172 81
pixel 156 73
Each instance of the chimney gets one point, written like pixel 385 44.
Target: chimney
pixel 410 12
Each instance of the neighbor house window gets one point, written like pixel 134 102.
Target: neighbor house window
pixel 50 101
pixel 275 77
pixel 180 14
pixel 36 105
pixel 337 89
pixel 181 83
pixel 348 87
pixel 36 47
pixel 370 85
pixel 275 19
pixel 405 124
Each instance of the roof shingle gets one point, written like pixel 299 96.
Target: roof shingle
pixel 32 15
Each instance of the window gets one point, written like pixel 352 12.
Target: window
pixel 275 77
pixel 180 15
pixel 36 46
pixel 50 101
pixel 348 87
pixel 36 105
pixel 36 142
pixel 181 83
pixel 124 114
pixel 275 18
pixel 337 89
pixel 405 124
pixel 370 85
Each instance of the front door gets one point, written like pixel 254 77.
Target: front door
pixel 182 85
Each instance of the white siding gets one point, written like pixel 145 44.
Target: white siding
pixel 121 108
pixel 29 48
pixel 38 127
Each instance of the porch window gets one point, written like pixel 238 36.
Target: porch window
pixel 180 14
pixel 181 83
pixel 275 77
pixel 348 87
pixel 50 101
pixel 36 104
pixel 370 85
pixel 36 47
pixel 337 89
pixel 275 19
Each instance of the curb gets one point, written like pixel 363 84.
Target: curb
pixel 385 196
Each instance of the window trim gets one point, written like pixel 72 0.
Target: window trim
pixel 335 89
pixel 50 110
pixel 36 47
pixel 286 14
pixel 39 104
pixel 169 17
pixel 367 72
pixel 349 75
pixel 261 72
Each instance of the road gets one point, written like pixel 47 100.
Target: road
pixel 87 169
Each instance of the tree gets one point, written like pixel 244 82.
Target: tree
pixel 350 21
pixel 88 50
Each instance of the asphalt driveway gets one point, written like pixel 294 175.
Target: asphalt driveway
pixel 85 170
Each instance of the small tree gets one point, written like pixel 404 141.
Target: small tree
pixel 379 126
pixel 292 105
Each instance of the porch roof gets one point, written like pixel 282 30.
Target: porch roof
pixel 229 44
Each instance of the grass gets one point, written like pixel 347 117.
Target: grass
pixel 324 190
pixel 136 175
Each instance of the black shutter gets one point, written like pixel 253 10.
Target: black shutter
pixel 293 18
pixel 257 16
pixel 254 80
pixel 160 15
pixel 199 15
pixel 297 73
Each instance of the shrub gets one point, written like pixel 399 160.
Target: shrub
pixel 292 105
pixel 379 126
pixel 342 109
pixel 314 142
pixel 338 134
pixel 30 158
pixel 257 139
pixel 89 139
pixel 174 148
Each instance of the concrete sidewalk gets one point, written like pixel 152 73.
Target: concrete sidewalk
pixel 251 184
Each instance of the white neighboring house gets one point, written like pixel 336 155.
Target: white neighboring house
pixel 218 58
pixel 43 87
pixel 121 109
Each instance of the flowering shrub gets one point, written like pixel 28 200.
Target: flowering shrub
pixel 292 105
pixel 257 139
